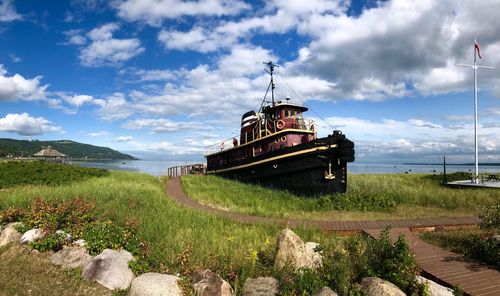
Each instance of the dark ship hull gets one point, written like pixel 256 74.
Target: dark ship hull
pixel 312 168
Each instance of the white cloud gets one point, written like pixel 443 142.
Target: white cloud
pixel 154 12
pixel 113 107
pixel 283 16
pixel 8 11
pixel 154 75
pixel 17 87
pixel 106 50
pixel 395 49
pixel 123 139
pixel 75 37
pixel 99 134
pixel 415 139
pixel 14 58
pixel 169 148
pixel 159 126
pixel 26 125
pixel 495 111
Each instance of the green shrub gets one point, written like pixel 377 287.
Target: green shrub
pixel 490 218
pixel 298 282
pixel 483 248
pixel 364 201
pixel 71 216
pixel 450 177
pixel 42 173
pixel 53 242
pixel 11 215
pixel 360 257
pixel 108 235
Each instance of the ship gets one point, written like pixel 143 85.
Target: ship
pixel 279 148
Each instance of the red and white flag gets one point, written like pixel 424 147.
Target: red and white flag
pixel 476 48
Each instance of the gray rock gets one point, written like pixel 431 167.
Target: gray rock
pixel 79 243
pixel 71 257
pixel 316 257
pixel 325 291
pixel 292 251
pixel 261 286
pixel 374 286
pixel 435 289
pixel 9 234
pixel 208 283
pixel 155 284
pixel 110 269
pixel 32 235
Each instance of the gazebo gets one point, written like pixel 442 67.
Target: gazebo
pixel 49 154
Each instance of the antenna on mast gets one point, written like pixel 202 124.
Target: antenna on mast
pixel 271 66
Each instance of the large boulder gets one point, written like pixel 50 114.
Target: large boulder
pixel 435 289
pixel 32 235
pixel 9 234
pixel 110 269
pixel 71 257
pixel 325 291
pixel 316 257
pixel 208 283
pixel 155 284
pixel 261 286
pixel 374 286
pixel 292 250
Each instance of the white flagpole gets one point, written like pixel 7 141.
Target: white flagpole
pixel 476 157
pixel 476 153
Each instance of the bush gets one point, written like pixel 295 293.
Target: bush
pixel 450 177
pixel 107 235
pixel 490 218
pixel 364 201
pixel 360 257
pixel 71 216
pixel 53 242
pixel 42 173
pixel 11 215
pixel 483 248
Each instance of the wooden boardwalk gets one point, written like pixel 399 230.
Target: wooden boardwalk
pixel 448 268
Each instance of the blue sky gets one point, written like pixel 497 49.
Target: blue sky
pixel 166 78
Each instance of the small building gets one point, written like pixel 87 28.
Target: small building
pixel 49 154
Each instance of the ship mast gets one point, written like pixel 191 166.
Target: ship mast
pixel 271 66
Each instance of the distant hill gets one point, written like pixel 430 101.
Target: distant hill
pixel 70 148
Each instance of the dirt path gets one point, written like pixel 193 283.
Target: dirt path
pixel 175 192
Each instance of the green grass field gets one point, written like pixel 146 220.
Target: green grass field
pixel 170 229
pixel 185 241
pixel 374 196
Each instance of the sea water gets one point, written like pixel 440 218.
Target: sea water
pixel 159 167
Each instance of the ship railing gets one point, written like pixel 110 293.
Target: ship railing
pixel 220 146
pixel 258 132
pixel 182 170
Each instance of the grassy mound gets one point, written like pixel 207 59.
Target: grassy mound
pixel 14 173
pixel 375 196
